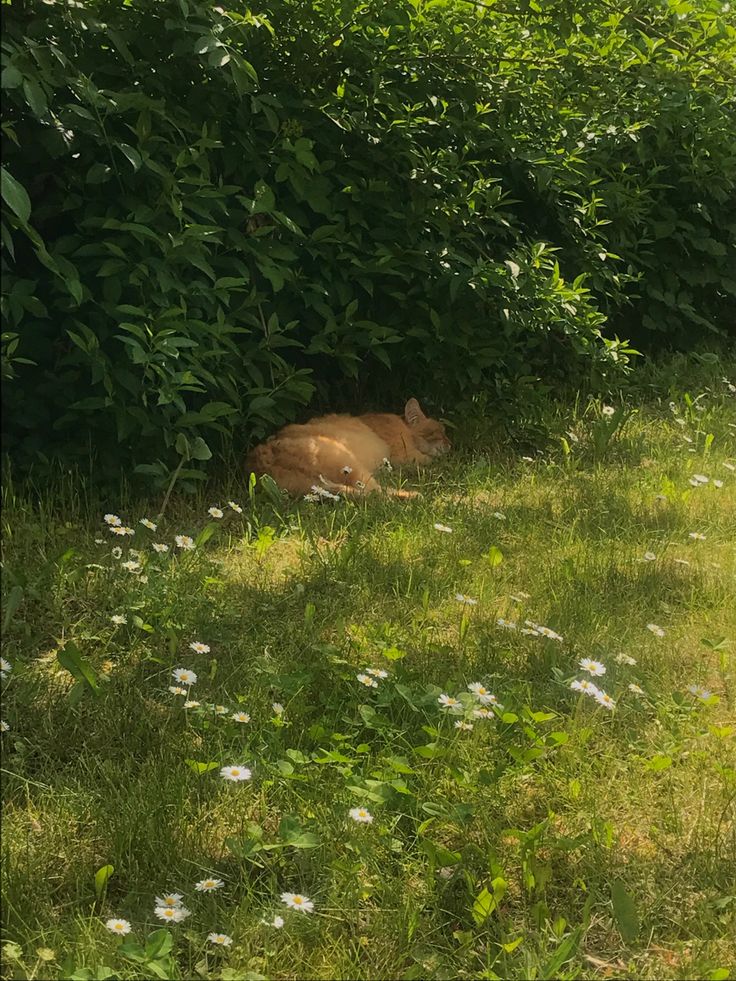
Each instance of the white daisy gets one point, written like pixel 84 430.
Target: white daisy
pixel 365 679
pixel 199 648
pixel 215 512
pixel 5 668
pixel 650 557
pixel 99 541
pixel 605 700
pixel 277 921
pixel 499 515
pixel 208 885
pixel 117 552
pixel 445 528
pixel 377 672
pixel 218 709
pixel 701 478
pixel 113 520
pixel 295 900
pixel 278 708
pixel 636 689
pixel 482 713
pixel 172 914
pixel 466 600
pixel 118 926
pixel 656 630
pixel 235 773
pixel 131 565
pixel 625 659
pixel 220 939
pixel 119 619
pixel 718 483
pixel 461 724
pixel 240 717
pixel 696 536
pixel 160 547
pixel 147 523
pixel 608 411
pixel 192 704
pixel 549 633
pixel 170 899
pixel 699 692
pixel 592 667
pixel 361 815
pixel 176 690
pixel 448 701
pixel 482 693
pixel 184 676
pixel 507 624
pixel 587 687
pixel 4 727
pixel 118 530
pixel 184 542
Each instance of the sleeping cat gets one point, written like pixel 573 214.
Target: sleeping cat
pixel 341 453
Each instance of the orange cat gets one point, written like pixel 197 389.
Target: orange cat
pixel 340 453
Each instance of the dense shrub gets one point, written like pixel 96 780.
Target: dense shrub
pixel 210 215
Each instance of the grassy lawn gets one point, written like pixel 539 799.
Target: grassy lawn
pixel 556 837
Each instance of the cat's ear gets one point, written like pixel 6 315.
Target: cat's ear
pixel 413 413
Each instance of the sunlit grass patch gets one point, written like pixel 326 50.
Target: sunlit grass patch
pixel 344 702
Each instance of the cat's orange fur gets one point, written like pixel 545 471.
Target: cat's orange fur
pixel 341 452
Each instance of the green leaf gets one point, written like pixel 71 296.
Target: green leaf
pixel 624 910
pixel 15 598
pixel 159 943
pixel 200 768
pixel 101 877
pixel 70 657
pixel 133 156
pixel 199 449
pixel 15 195
pixel 494 556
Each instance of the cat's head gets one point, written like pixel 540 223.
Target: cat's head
pixel 429 434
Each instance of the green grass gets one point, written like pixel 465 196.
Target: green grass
pixel 558 839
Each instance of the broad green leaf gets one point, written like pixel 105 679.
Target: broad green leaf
pixel 70 658
pixel 159 943
pixel 15 195
pixel 624 910
pixel 200 768
pixel 101 877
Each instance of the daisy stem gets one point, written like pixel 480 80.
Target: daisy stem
pixel 169 489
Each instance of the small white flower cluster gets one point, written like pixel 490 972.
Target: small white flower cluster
pixel 321 493
pixel 466 600
pixel 533 629
pixel 449 703
pixel 595 668
pixel 5 668
pixel 371 677
pixel 698 480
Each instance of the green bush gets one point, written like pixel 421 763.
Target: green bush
pixel 211 218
